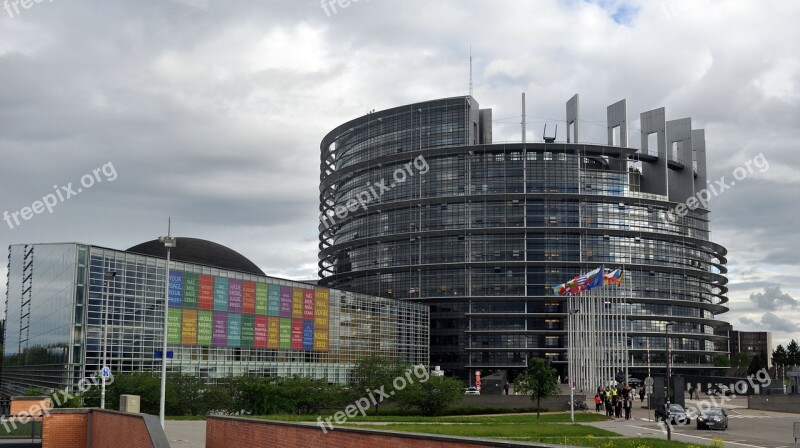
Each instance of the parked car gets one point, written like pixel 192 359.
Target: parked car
pixel 634 382
pixel 714 418
pixel 673 413
pixel 719 389
pixel 472 390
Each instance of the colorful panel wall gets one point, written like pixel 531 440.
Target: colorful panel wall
pixel 213 311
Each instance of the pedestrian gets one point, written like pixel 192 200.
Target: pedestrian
pixel 628 405
pixel 697 392
pixel 618 407
pixel 598 401
pixel 641 394
pixel 505 388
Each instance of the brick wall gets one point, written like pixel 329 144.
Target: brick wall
pixel 30 405
pixel 65 428
pixel 107 428
pixel 226 432
pixel 95 428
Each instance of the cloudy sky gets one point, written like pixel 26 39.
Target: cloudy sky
pixel 212 111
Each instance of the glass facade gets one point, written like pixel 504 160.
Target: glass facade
pixel 221 323
pixel 485 232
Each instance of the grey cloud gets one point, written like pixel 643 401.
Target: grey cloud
pixel 773 299
pixel 208 123
pixel 772 322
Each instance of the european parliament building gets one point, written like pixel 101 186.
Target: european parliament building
pixel 226 318
pixel 417 203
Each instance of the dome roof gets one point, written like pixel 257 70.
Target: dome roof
pixel 197 251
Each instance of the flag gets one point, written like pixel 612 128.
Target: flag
pixel 614 276
pixel 574 286
pixel 560 289
pixel 592 279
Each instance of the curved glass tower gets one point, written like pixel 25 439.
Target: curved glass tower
pixel 418 204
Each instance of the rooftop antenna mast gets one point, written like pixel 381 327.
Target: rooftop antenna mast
pixel 470 69
pixel 524 120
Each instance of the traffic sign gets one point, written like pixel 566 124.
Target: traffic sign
pixel 105 372
pixel 648 389
pixel 648 381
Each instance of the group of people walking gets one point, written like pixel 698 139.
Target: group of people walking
pixel 616 401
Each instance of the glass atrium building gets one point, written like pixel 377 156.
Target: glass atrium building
pixel 417 203
pixel 226 318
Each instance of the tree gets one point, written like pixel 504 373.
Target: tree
pixel 272 395
pixel 185 395
pixel 144 384
pixel 757 363
pixel 373 372
pixel 792 354
pixel 779 357
pixel 35 392
pixel 722 361
pixel 432 396
pixel 740 360
pixel 540 381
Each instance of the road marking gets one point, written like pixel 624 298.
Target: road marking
pixel 726 441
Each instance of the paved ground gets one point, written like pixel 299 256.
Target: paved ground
pixel 746 428
pixel 186 434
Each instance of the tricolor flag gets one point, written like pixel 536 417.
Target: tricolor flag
pixel 614 276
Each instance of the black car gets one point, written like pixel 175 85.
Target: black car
pixel 673 413
pixel 714 418
pixel 719 389
pixel 634 382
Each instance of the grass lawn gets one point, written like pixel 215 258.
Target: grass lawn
pixel 489 419
pixel 553 428
pixel 553 433
pixel 22 429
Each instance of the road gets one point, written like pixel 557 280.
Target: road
pixel 746 428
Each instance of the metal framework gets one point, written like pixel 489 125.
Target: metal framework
pixel 598 337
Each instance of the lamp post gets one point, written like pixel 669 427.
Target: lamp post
pixel 169 242
pixel 669 377
pixel 669 357
pixel 106 278
pixel 570 365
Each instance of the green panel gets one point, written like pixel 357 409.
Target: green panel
pixel 286 333
pixel 248 330
pixel 190 287
pixel 261 299
pixel 204 324
pixel 174 327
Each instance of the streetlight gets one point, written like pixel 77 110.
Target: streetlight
pixel 106 278
pixel 169 242
pixel 669 357
pixel 669 376
pixel 571 377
